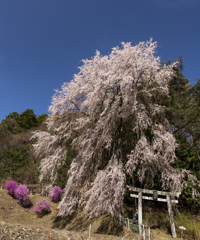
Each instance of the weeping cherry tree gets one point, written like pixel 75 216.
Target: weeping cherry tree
pixel 110 116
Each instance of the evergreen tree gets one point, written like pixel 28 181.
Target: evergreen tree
pixel 183 113
pixel 27 119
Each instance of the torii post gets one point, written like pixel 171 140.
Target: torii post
pixel 155 197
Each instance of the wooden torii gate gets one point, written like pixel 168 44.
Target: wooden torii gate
pixel 155 197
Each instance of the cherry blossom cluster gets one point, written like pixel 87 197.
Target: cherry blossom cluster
pixel 110 114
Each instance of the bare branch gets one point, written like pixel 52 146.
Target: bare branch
pixel 192 119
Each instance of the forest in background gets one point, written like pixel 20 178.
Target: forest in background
pixel 182 109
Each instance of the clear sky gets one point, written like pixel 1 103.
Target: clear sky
pixel 42 42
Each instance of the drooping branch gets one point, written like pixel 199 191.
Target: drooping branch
pixel 192 119
pixel 109 143
pixel 78 108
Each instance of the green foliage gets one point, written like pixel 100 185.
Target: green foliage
pixel 179 104
pixel 16 163
pixel 19 157
pixel 186 157
pixel 188 198
pixel 16 123
pixel 16 157
pixel 27 119
pixel 183 113
pixel 13 115
pixel 41 118
pixel 10 123
pixel 63 171
pixel 12 161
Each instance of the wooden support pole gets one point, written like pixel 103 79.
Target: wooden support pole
pixel 171 218
pixel 147 191
pixel 140 211
pixel 128 225
pixel 143 232
pixel 149 233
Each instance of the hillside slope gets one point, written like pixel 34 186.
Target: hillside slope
pixel 16 222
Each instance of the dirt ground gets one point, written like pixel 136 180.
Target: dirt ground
pixel 17 222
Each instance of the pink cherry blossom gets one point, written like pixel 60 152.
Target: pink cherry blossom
pixel 109 115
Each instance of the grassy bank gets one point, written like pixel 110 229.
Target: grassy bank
pixel 17 218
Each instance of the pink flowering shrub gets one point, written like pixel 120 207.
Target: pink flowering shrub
pixel 55 194
pixel 21 194
pixel 42 207
pixel 11 186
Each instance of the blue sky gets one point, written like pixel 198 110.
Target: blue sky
pixel 42 42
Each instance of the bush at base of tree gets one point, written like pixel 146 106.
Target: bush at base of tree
pixel 21 194
pixel 11 187
pixel 42 207
pixel 56 194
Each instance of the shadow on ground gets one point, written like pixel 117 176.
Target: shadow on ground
pixel 110 227
pixel 75 222
pixel 79 222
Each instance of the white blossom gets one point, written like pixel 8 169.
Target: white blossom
pixel 110 99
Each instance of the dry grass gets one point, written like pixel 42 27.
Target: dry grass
pixel 12 212
pixel 191 224
pixel 18 221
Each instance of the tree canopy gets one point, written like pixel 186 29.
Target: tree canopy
pixel 112 116
pixel 16 157
pixel 15 122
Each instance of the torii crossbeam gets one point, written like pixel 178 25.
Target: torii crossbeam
pixel 155 197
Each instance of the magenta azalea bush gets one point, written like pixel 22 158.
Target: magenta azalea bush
pixel 55 194
pixel 11 186
pixel 42 207
pixel 21 194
